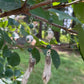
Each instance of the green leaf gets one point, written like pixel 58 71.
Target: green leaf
pixel 31 2
pixel 12 22
pixel 3 23
pixel 22 30
pixel 10 4
pixel 53 41
pixel 14 59
pixel 2 60
pixel 79 11
pixel 81 53
pixel 1 39
pixel 17 73
pixel 36 54
pixel 55 58
pixel 14 82
pixel 7 38
pixel 1 68
pixel 46 15
pixel 6 51
pixel 40 12
pixel 63 15
pixel 10 28
pixel 9 73
pixel 17 82
pixel 81 39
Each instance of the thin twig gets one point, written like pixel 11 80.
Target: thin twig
pixel 24 9
pixel 53 24
pixel 42 4
pixel 63 5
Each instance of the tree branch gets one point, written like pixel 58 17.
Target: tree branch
pixel 63 5
pixel 53 24
pixel 18 11
pixel 13 12
pixel 42 4
pixel 24 9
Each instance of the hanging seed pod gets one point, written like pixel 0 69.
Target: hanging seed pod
pixel 31 26
pixel 50 34
pixel 48 46
pixel 29 38
pixel 26 76
pixel 29 49
pixel 47 69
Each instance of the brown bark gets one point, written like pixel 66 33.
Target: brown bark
pixel 53 24
pixel 25 10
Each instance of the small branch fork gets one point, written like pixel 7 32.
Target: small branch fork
pixel 25 10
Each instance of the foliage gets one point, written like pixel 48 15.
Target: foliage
pixel 64 38
pixel 36 54
pixel 71 64
pixel 53 41
pixel 81 39
pixel 79 14
pixel 55 58
pixel 9 59
pixel 10 5
pixel 1 39
pixel 78 9
pixel 63 15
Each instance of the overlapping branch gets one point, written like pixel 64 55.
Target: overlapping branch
pixel 53 24
pixel 42 4
pixel 25 10
pixel 63 5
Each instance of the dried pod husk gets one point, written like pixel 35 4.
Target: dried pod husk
pixel 47 69
pixel 30 68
